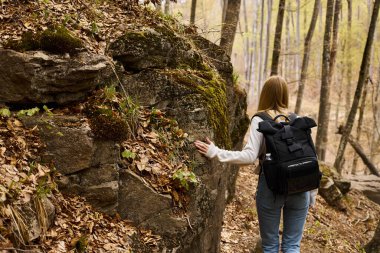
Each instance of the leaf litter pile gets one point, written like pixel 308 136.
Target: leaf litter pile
pixel 152 145
pixel 76 227
pixel 95 23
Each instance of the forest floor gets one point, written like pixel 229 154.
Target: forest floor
pixel 327 230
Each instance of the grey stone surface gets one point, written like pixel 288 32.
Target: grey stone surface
pixel 31 216
pixel 158 47
pixel 368 184
pixel 39 77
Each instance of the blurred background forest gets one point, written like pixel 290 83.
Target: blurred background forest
pixel 252 56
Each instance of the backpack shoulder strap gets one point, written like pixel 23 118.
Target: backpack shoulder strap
pixel 263 115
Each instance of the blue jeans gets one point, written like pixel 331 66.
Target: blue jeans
pixel 269 206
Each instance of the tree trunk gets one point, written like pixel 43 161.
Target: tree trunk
pixel 333 53
pixel 359 150
pixel 298 38
pixel 348 58
pixel 167 7
pixel 267 41
pixel 229 25
pixel 224 10
pixel 360 123
pixel 277 38
pixel 325 88
pixel 306 55
pixel 374 245
pixel 261 50
pixel 193 9
pixel 253 52
pixel 361 81
pixel 246 47
pixel 286 58
pixel 376 116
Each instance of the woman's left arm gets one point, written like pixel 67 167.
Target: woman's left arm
pixel 246 156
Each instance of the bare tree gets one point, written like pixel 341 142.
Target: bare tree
pixel 333 52
pixel 306 53
pixel 253 49
pixel 261 49
pixel 224 10
pixel 359 128
pixel 229 25
pixel 361 81
pixel 325 88
pixel 348 57
pixel 267 41
pixel 286 63
pixel 298 36
pixel 193 9
pixel 246 46
pixel 277 38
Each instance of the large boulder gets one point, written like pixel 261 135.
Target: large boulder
pixel 154 48
pixel 368 184
pixel 41 77
pixel 169 73
pixel 203 98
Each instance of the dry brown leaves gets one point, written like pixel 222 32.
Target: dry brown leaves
pixel 156 149
pixel 20 175
pixel 95 22
pixel 78 227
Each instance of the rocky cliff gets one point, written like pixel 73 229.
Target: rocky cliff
pixel 119 127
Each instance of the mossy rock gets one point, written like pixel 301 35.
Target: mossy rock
pixel 328 171
pixel 213 91
pixel 57 40
pixel 157 47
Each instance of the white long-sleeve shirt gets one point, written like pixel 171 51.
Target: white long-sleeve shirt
pixel 249 153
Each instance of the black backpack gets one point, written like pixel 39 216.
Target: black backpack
pixel 290 164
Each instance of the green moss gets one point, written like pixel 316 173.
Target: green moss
pixel 29 41
pixel 55 40
pixel 59 40
pixel 213 90
pixel 326 170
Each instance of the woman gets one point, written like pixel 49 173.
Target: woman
pixel 274 100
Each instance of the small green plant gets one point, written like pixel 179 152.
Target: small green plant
pixel 94 28
pixel 128 154
pixel 5 112
pixel 110 92
pixel 67 19
pixel 47 110
pixel 28 112
pixel 185 178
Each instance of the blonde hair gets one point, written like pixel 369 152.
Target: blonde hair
pixel 274 95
